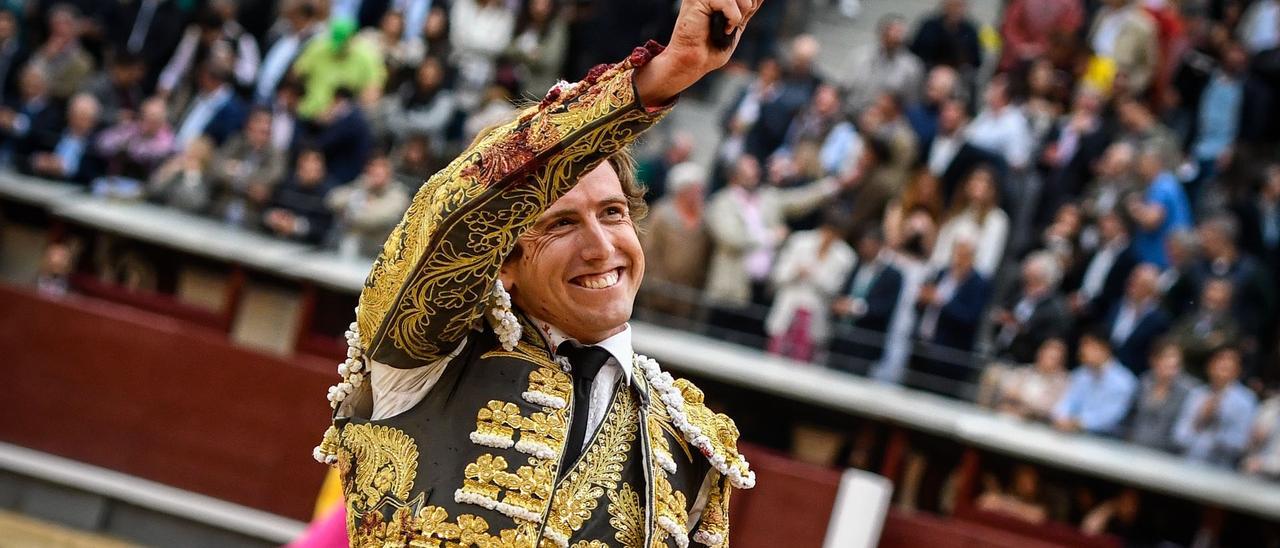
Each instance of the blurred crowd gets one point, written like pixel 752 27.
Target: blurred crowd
pixel 1072 216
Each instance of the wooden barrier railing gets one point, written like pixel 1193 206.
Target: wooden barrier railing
pixel 162 399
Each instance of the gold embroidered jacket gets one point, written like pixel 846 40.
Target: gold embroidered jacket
pixel 475 463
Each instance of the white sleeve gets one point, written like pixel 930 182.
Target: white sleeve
pixel 700 503
pixel 397 390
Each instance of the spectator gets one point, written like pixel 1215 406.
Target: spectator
pixel 813 127
pixel 949 38
pixel 1032 28
pixel 414 163
pixel 655 172
pixel 757 120
pixel 922 194
pixel 676 244
pixel 56 266
pixel 1115 178
pixel 1034 315
pixel 1001 127
pixel 344 137
pixel 873 182
pixel 120 90
pixel 13 56
pixel 886 66
pixel 423 105
pixel 399 55
pixel 479 31
pixel 1137 321
pixel 810 270
pixel 184 182
pixel 1100 391
pixel 746 223
pixel 297 208
pixel 1071 149
pixel 977 211
pixel 32 120
pixel 62 58
pixel 1101 280
pixel 147 28
pixel 1210 326
pixel 939 87
pixel 133 148
pixel 214 111
pixel 867 301
pixel 1023 502
pixel 71 158
pixel 1259 215
pixel 540 44
pixel 1221 120
pixel 883 120
pixel 950 157
pixel 1213 427
pixel 801 71
pixel 1125 34
pixel 337 61
pixel 1263 456
pixel 1160 210
pixel 365 210
pixel 1179 287
pixel 1223 259
pixel 1146 133
pixel 296 26
pixel 284 116
pixel 214 39
pixel 1162 391
pixel 245 172
pixel 1031 391
pixel 951 304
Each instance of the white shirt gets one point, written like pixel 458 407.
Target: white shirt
pixel 942 151
pixel 202 111
pixel 1006 133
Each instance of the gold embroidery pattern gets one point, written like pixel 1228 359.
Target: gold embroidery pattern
pixel 422 293
pixel 496 423
pixel 385 460
pixel 626 516
pixel 599 468
pixel 713 528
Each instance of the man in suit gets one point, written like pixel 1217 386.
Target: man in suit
pixel 30 121
pixel 1259 215
pixel 950 157
pixel 344 137
pixel 1035 314
pixel 13 55
pixel 1098 284
pixel 1138 320
pixel 71 157
pixel 867 303
pixel 951 306
pixel 215 111
pixel 1073 146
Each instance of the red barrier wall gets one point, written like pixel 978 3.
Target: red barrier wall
pixel 162 399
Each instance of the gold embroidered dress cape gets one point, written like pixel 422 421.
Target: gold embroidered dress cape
pixel 476 462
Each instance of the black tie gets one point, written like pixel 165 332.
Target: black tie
pixel 586 362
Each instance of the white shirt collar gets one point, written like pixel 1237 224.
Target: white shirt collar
pixel 618 346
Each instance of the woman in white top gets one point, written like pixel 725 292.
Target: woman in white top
pixel 812 266
pixel 977 210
